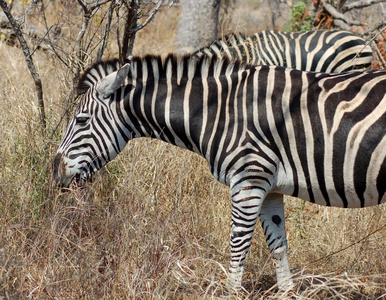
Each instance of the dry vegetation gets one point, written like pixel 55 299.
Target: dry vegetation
pixel 154 224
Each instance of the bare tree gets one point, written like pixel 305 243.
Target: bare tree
pixel 28 58
pixel 197 24
pixel 92 37
pixel 100 23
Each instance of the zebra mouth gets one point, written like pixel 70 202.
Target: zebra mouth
pixel 80 179
pixel 77 181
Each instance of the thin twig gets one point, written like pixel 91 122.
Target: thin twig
pixel 348 246
pixel 49 40
pixel 64 114
pixel 43 38
pixel 88 49
pixel 367 43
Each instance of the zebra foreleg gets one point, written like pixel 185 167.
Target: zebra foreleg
pixel 273 223
pixel 246 206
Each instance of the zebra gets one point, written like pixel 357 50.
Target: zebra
pixel 265 131
pixel 318 50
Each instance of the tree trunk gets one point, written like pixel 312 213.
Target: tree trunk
pixel 197 24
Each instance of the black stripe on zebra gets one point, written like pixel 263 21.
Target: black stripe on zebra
pixel 320 50
pixel 264 130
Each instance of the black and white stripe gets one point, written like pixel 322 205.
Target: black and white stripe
pixel 265 131
pixel 320 50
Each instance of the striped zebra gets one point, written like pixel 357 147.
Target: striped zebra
pixel 265 131
pixel 319 50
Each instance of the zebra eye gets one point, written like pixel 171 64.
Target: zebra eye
pixel 81 120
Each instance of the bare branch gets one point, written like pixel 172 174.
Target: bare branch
pixel 156 9
pixel 129 35
pixel 68 97
pixel 118 31
pixel 86 19
pixel 44 39
pixel 83 5
pixel 360 4
pixel 106 31
pixel 133 25
pixel 340 4
pixel 98 4
pixel 341 24
pixel 53 47
pixel 127 29
pixel 337 15
pixel 87 13
pixel 172 3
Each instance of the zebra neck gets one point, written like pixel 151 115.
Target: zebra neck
pixel 169 111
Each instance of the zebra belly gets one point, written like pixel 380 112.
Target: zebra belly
pixel 351 199
pixel 369 190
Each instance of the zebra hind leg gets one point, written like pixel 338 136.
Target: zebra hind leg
pixel 273 223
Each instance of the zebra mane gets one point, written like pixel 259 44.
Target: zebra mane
pixel 171 66
pixel 95 73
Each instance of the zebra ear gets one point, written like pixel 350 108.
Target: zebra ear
pixel 113 81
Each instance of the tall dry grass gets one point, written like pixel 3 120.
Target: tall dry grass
pixel 154 224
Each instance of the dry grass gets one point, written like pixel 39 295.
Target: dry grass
pixel 154 224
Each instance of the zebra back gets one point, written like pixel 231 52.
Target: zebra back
pixel 319 51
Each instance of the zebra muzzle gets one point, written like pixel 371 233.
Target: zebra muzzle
pixel 59 174
pixel 56 169
pixel 64 179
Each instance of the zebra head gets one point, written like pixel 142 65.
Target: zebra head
pixel 95 134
